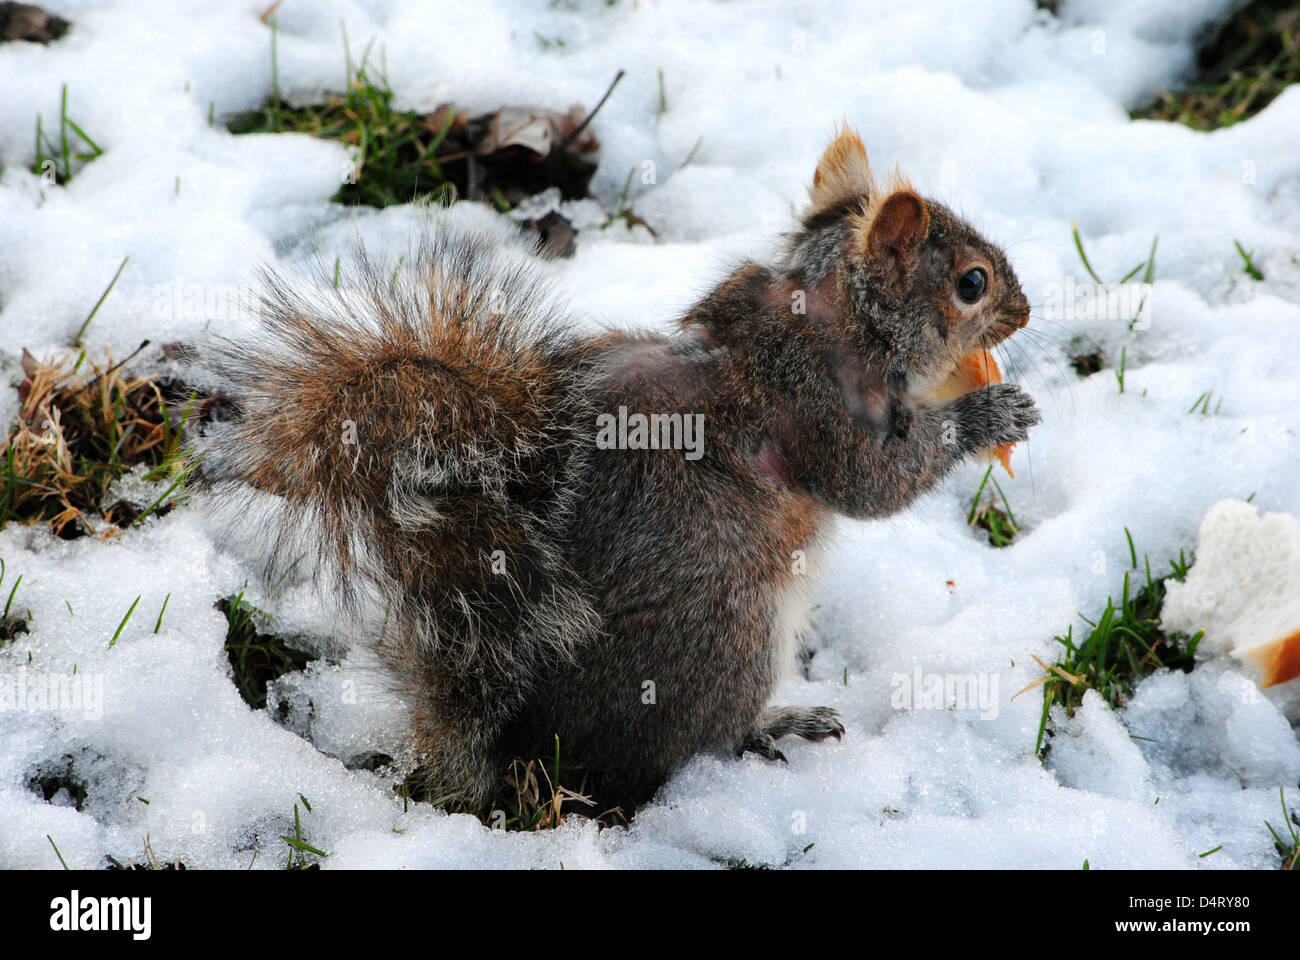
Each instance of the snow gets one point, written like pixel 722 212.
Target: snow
pixel 1016 119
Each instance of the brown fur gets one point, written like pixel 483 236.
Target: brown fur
pixel 648 600
pixel 842 174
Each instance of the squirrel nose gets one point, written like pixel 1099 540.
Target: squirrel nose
pixel 1020 310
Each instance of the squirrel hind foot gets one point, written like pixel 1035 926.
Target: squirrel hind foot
pixel 763 744
pixel 811 723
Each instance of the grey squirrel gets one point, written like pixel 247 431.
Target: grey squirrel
pixel 448 443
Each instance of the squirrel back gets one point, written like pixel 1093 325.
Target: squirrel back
pixel 607 538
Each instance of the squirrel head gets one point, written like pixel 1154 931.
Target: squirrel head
pixel 914 286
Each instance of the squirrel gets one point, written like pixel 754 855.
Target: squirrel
pixel 553 566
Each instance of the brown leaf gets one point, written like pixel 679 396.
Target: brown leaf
pixel 537 130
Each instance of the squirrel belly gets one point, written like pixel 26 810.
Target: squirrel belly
pixel 610 538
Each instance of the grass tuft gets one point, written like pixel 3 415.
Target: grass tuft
pixel 528 797
pixel 12 626
pixel 623 209
pixel 151 861
pixel 402 155
pixel 1288 848
pixel 1202 403
pixel 78 431
pixel 55 166
pixel 999 523
pixel 743 864
pixel 302 855
pixel 1125 644
pixel 1147 266
pixel 257 657
pixel 1242 65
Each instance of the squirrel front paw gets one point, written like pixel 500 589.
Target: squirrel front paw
pixel 999 413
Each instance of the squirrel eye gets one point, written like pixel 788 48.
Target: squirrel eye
pixel 972 284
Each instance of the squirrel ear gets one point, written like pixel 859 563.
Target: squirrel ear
pixel 892 227
pixel 842 173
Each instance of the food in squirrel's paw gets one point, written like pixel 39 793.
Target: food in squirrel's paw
pixel 973 372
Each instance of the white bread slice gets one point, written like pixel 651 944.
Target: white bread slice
pixel 1243 591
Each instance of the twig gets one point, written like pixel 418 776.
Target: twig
pixel 100 302
pixel 128 358
pixel 564 144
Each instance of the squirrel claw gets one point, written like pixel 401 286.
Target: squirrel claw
pixel 817 724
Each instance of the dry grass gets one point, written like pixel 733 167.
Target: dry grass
pixel 1244 62
pixel 528 797
pixel 82 426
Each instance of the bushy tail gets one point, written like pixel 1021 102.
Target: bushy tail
pixel 421 428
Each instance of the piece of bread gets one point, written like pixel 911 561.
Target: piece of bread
pixel 975 370
pixel 1243 591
